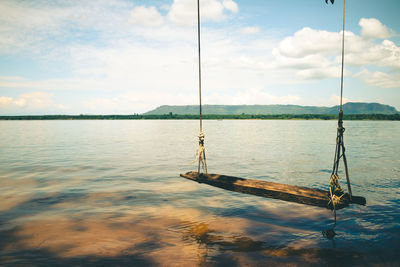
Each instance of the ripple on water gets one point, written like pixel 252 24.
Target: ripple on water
pixel 109 192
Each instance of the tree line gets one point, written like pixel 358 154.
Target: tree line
pixel 171 116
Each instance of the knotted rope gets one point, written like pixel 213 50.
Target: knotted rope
pixel 335 190
pixel 200 155
pixel 201 151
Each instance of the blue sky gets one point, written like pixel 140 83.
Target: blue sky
pixel 124 57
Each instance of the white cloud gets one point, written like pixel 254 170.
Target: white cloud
pixel 373 28
pixel 307 62
pixel 316 54
pixel 5 101
pixel 380 79
pixel 37 27
pixel 319 73
pixel 250 30
pixel 30 102
pixel 311 53
pixel 146 16
pixel 231 6
pixel 22 25
pixel 385 54
pixel 184 12
pixel 308 41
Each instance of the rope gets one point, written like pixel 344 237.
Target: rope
pixel 201 151
pixel 335 190
pixel 341 77
pixel 335 193
pixel 199 63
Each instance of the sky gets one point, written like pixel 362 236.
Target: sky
pixel 131 56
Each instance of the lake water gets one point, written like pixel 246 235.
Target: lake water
pixel 109 192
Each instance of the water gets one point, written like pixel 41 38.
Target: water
pixel 109 192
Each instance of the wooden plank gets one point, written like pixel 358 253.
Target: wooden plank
pixel 298 194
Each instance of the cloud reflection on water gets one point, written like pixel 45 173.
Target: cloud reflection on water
pixel 108 193
pixel 165 234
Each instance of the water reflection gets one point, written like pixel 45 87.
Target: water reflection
pixel 89 227
pixel 73 197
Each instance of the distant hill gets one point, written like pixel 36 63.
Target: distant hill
pixel 348 108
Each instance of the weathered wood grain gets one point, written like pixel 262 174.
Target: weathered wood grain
pixel 298 194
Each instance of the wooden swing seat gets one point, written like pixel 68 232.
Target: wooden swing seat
pixel 298 194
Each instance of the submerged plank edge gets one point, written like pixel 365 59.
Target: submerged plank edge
pixel 297 194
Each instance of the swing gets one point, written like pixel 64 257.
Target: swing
pixel 333 199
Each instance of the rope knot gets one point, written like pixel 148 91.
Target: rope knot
pixel 200 154
pixel 201 138
pixel 335 190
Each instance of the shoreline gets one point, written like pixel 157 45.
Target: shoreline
pixel 374 117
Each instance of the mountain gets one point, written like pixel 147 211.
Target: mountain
pixel 348 108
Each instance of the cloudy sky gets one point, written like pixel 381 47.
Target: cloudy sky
pixel 130 56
